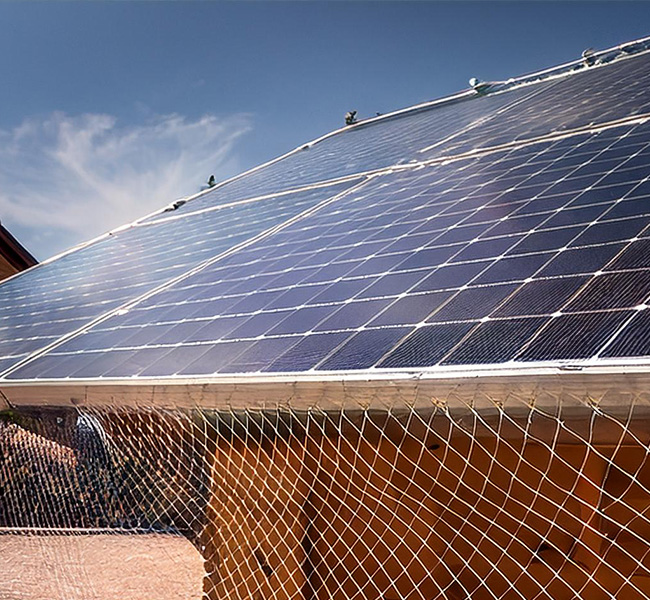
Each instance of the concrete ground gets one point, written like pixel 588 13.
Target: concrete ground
pixel 99 567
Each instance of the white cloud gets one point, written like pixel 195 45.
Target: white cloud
pixel 66 179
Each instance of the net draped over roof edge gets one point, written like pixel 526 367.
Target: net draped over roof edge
pixel 492 230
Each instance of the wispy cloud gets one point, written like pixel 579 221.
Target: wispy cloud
pixel 66 179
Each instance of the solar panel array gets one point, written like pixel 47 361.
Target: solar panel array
pixel 43 304
pixel 596 96
pixel 537 251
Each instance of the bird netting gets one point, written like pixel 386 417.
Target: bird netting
pixel 500 499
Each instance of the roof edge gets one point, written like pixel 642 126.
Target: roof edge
pixel 617 385
pixel 15 253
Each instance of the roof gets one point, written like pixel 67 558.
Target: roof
pixel 13 256
pixel 495 234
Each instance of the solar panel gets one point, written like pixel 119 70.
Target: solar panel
pixel 54 299
pixel 585 97
pixel 366 146
pixel 412 269
pixel 582 98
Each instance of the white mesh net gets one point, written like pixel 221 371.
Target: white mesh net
pixel 402 503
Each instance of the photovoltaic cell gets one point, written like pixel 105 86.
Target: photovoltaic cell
pixel 573 336
pixel 411 309
pixel 516 268
pixel 473 303
pixel 541 297
pixel 635 256
pixel 495 341
pixel 309 351
pixel 427 345
pixel 634 339
pixel 364 349
pixel 581 260
pixel 216 358
pixel 612 290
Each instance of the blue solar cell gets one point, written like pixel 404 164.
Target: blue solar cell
pixel 216 329
pixel 94 364
pixel 247 286
pixel 255 357
pixel 575 336
pixel 341 290
pixel 260 322
pixel 633 339
pixel 516 268
pixel 473 303
pixel 174 360
pixel 136 362
pixel 581 260
pixel 489 248
pixel 541 297
pixel 253 302
pixel 364 349
pixel 635 256
pixel 308 352
pixel 357 252
pixel 516 224
pixel 429 257
pixel 303 319
pixel 598 195
pixel 439 224
pixel 576 216
pixel 213 359
pixel 411 309
pixel 377 265
pixel 426 346
pixel 452 276
pixel 297 296
pixel 491 214
pixel 642 189
pixel 612 231
pixel 576 183
pixel 295 277
pixel 353 314
pixel 495 341
pixel 540 241
pixel 630 208
pixel 218 306
pixel 142 336
pixel 613 290
pixel 392 284
pixel 544 204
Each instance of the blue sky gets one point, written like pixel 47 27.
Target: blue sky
pixel 110 110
